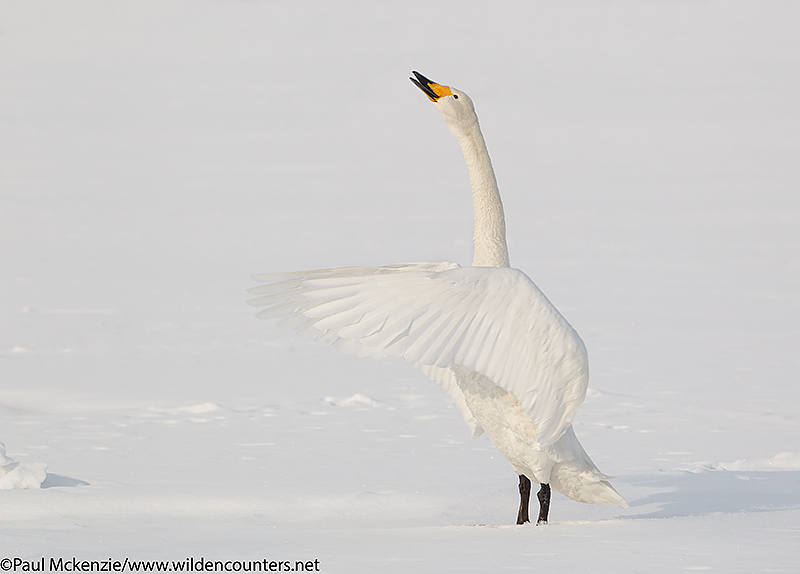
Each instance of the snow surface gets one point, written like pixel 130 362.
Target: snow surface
pixel 154 154
pixel 15 475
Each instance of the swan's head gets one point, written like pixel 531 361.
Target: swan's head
pixel 453 105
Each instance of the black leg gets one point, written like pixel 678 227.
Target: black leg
pixel 524 499
pixel 544 503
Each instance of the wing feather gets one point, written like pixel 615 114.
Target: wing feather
pixel 491 320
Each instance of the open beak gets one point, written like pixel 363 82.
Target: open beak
pixel 433 90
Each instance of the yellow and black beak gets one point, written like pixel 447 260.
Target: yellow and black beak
pixel 433 90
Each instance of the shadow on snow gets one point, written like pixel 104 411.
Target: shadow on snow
pixel 53 480
pixel 717 491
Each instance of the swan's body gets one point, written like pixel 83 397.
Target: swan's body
pixel 512 364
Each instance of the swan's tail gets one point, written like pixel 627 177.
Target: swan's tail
pixel 575 475
pixel 578 484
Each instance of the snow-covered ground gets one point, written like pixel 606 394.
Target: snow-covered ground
pixel 154 154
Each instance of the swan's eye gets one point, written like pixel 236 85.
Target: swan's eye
pixel 455 96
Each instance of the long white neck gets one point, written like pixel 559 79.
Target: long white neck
pixel 490 224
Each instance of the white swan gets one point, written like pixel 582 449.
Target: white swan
pixel 514 366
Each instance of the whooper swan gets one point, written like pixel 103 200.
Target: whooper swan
pixel 514 366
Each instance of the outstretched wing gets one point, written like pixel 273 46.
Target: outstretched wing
pixel 492 320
